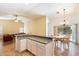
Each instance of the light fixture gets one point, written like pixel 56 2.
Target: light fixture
pixel 64 17
pixel 64 23
pixel 16 18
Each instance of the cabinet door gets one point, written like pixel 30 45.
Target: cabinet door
pixel 41 50
pixel 29 45
pixel 17 44
pixel 23 43
pixel 34 47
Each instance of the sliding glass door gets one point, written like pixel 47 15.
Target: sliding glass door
pixel 74 33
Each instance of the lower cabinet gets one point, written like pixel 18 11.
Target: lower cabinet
pixel 29 44
pixel 36 48
pixel 39 49
pixel 21 45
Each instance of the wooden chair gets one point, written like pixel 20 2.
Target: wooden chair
pixel 66 41
pixel 57 40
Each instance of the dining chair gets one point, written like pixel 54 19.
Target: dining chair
pixel 57 41
pixel 66 41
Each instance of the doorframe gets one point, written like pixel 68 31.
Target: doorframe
pixel 76 33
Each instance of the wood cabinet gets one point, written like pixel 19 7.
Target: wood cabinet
pixel 45 49
pixel 29 45
pixel 41 50
pixel 21 45
pixel 35 47
pixel 16 44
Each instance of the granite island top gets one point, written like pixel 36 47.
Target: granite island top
pixel 40 39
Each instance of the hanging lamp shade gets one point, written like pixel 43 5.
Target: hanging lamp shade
pixel 16 18
pixel 64 28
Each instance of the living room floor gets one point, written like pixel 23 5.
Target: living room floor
pixel 9 50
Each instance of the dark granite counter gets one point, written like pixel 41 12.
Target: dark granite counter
pixel 40 39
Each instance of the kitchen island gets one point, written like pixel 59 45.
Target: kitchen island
pixel 38 45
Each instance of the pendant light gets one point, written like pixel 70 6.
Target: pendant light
pixel 16 18
pixel 64 23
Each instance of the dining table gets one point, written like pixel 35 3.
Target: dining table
pixel 61 39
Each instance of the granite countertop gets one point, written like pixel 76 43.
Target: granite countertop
pixel 26 35
pixel 40 39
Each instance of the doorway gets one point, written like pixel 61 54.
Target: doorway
pixel 74 33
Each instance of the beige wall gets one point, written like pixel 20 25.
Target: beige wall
pixel 37 26
pixel 40 26
pixel 10 26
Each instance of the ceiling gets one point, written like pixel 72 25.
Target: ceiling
pixel 33 10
